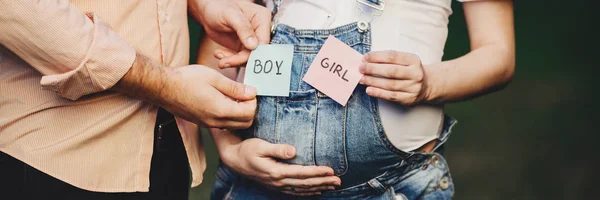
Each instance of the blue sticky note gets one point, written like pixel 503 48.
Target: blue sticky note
pixel 269 68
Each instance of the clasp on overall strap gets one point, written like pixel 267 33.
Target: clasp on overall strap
pixel 369 9
pixel 375 4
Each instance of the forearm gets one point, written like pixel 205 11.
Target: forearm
pixel 77 54
pixel 491 63
pixel 145 80
pixel 483 70
pixel 206 58
pixel 195 8
pixel 225 140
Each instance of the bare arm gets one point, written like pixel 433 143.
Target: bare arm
pixel 400 77
pixel 195 93
pixel 206 58
pixel 255 159
pixel 491 63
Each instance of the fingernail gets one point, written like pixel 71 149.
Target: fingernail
pixel 290 152
pixel 220 56
pixel 249 91
pixel 362 80
pixel 252 42
pixel 364 58
pixel 331 188
pixel 227 65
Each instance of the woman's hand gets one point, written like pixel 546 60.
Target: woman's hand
pixel 394 76
pixel 490 65
pixel 255 159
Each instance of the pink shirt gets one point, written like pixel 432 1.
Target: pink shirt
pixel 57 60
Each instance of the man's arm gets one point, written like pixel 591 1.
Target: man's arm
pixel 196 93
pixel 80 55
pixel 252 24
pixel 77 54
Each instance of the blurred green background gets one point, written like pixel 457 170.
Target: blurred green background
pixel 533 140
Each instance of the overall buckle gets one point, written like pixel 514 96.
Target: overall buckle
pixel 368 11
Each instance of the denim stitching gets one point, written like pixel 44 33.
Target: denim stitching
pixel 314 130
pixel 345 161
pixel 277 123
pixel 303 71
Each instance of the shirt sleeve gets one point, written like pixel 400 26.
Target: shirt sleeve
pixel 76 53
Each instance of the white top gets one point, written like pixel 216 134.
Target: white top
pixel 415 26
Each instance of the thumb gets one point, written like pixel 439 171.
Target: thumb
pixel 235 90
pixel 243 28
pixel 281 151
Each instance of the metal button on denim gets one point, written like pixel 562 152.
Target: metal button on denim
pixel 444 183
pixel 362 26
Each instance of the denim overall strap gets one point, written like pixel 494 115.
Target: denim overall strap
pixel 377 2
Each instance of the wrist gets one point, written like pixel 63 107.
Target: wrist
pixel 227 145
pixel 431 92
pixel 196 8
pixel 145 80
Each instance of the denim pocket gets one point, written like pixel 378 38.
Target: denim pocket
pixel 330 135
pixel 315 125
pixel 295 124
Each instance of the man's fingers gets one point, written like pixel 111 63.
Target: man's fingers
pixel 386 70
pixel 393 57
pixel 238 22
pixel 260 18
pixel 235 60
pixel 235 90
pixel 228 124
pixel 232 114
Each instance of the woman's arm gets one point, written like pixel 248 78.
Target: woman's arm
pixel 206 58
pixel 401 77
pixel 491 63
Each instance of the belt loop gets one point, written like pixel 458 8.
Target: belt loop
pixel 375 184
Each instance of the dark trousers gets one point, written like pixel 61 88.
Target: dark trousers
pixel 169 174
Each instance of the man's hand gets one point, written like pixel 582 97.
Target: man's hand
pixel 196 93
pixel 394 76
pixel 206 97
pixel 239 26
pixel 255 159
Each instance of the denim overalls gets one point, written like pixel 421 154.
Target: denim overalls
pixel 349 139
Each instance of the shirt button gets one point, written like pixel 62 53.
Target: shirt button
pixel 166 17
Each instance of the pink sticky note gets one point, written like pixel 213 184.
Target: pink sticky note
pixel 334 71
